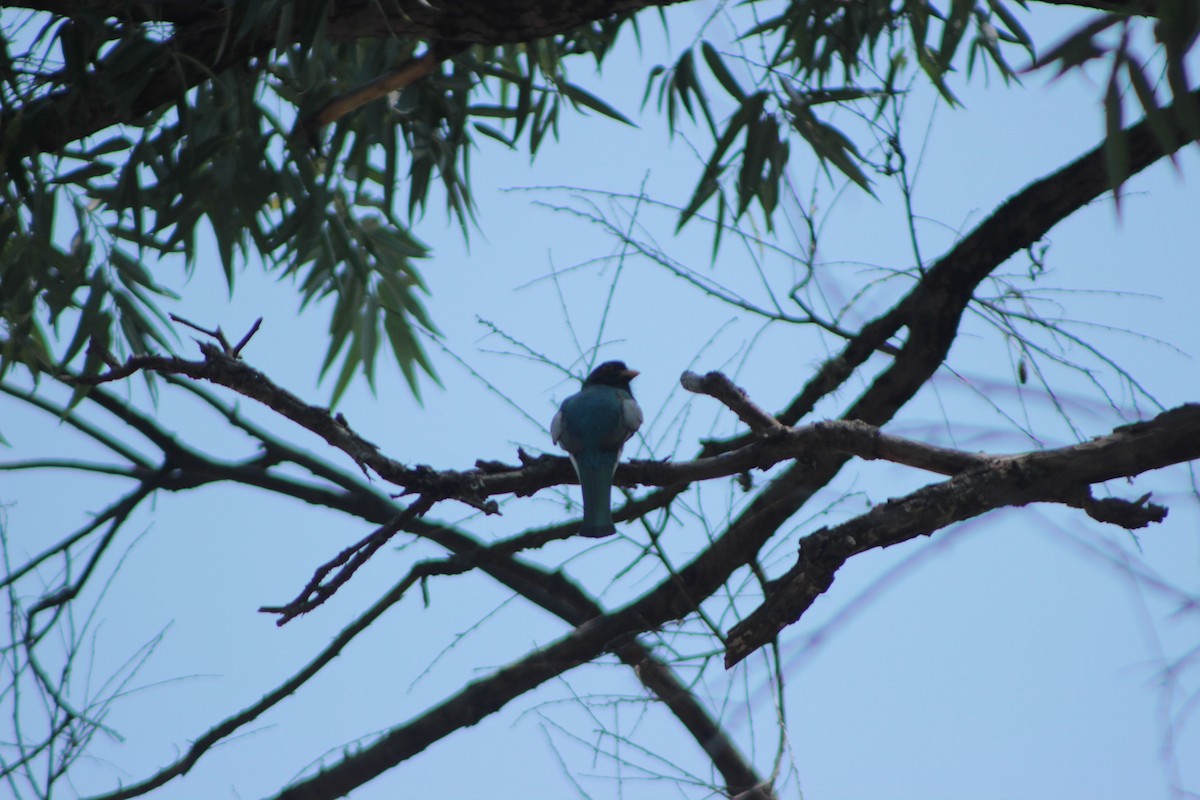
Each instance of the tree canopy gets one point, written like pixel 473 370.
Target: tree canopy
pixel 129 129
pixel 313 141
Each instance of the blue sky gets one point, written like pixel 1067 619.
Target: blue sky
pixel 1012 656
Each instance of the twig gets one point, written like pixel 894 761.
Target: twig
pixel 233 351
pixel 347 563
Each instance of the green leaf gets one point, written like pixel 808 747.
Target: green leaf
pixel 1079 47
pixel 1012 24
pixel 721 72
pixel 132 274
pixel 350 365
pixel 759 142
pixel 1116 146
pixel 408 351
pixel 718 229
pixel 493 133
pixel 368 338
pixel 750 110
pixel 830 145
pixel 85 173
pixel 845 94
pixel 1187 108
pixel 90 318
pixel 93 361
pixel 581 98
pixel 953 29
pixel 936 72
pixel 1156 118
pixel 502 112
pixel 110 146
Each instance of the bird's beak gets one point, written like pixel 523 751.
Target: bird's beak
pixel 630 374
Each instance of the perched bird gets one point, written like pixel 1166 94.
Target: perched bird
pixel 593 426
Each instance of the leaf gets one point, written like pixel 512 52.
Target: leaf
pixel 718 230
pixel 1187 107
pixel 85 173
pixel 90 318
pixel 504 112
pixel 681 87
pixel 1079 47
pixel 750 110
pixel 368 338
pixel 93 360
pixel 350 364
pixel 936 72
pixel 110 146
pixel 1156 118
pixel 1116 146
pixel 655 71
pixel 953 29
pixel 721 72
pixel 845 94
pixel 408 351
pixel 138 329
pixel 493 133
pixel 543 122
pixel 579 97
pixel 830 145
pixel 1012 24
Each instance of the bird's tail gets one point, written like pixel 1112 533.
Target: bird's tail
pixel 595 478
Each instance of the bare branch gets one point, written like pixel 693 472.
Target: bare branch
pixel 347 563
pixel 1063 476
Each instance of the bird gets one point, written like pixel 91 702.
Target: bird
pixel 593 426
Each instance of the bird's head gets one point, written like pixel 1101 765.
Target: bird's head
pixel 612 373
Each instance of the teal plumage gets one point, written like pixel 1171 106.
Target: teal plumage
pixel 593 426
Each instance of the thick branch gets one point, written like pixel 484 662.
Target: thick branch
pixel 1063 475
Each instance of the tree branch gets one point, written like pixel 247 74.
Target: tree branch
pixel 346 563
pixel 1063 475
pixel 550 590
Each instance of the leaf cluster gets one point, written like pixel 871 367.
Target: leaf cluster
pixel 827 54
pixel 211 140
pixel 229 159
pixel 1136 77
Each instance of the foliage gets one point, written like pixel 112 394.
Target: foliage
pixel 218 159
pixel 93 218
